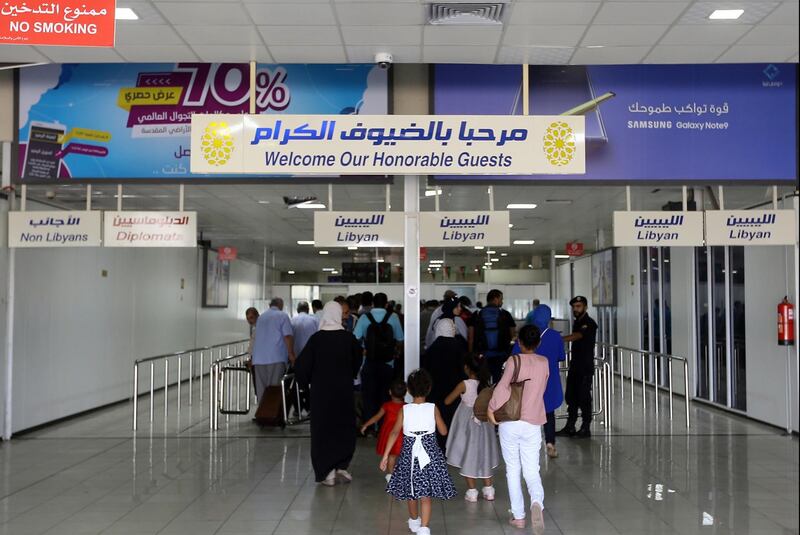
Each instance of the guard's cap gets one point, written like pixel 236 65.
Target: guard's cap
pixel 578 299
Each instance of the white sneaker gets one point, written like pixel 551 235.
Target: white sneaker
pixel 488 494
pixel 388 478
pixel 424 531
pixel 344 476
pixel 414 525
pixel 330 480
pixel 471 495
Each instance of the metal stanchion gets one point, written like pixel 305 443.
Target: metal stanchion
pixel 669 372
pixel 202 371
pixel 191 374
pixel 135 395
pixel 655 369
pixel 632 374
pixel 686 389
pixel 179 381
pixel 152 386
pixel 621 376
pixel 611 359
pixel 211 397
pixel 166 387
pixel 644 384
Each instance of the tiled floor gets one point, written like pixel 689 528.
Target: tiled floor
pixel 646 476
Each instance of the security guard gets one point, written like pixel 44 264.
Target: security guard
pixel 581 369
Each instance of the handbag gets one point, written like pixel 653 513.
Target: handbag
pixel 511 410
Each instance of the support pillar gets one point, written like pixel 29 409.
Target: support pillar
pixel 411 277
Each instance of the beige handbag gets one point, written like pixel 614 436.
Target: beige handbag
pixel 511 409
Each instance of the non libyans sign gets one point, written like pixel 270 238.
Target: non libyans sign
pixel 369 229
pixel 387 144
pixel 750 227
pixel 464 229
pixel 658 229
pixel 150 229
pixel 54 229
pixel 62 22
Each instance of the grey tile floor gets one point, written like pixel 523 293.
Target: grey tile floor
pixel 647 475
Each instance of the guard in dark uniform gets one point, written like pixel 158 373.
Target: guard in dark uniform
pixel 581 370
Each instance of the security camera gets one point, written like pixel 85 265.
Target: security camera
pixel 383 60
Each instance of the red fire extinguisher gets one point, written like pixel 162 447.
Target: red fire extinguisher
pixel 785 323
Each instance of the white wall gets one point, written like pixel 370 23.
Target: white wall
pixel 78 332
pixel 582 281
pixel 628 311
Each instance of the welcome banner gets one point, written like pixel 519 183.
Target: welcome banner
pixel 387 144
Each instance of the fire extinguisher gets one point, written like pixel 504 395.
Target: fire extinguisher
pixel 785 323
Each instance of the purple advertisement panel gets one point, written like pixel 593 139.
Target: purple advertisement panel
pixel 679 123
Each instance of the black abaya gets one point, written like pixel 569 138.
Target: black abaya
pixel 329 363
pixel 444 360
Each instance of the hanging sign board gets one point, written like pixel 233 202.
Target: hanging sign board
pixel 574 248
pixel 464 229
pixel 387 144
pixel 658 229
pixel 750 227
pixel 368 229
pixel 62 23
pixel 54 229
pixel 150 229
pixel 226 254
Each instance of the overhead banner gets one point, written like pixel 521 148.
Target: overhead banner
pixel 150 229
pixel 750 227
pixel 676 123
pixel 350 229
pixel 54 229
pixel 658 229
pixel 63 23
pixel 132 121
pixel 464 229
pixel 386 144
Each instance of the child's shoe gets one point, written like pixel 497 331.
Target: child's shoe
pixel 488 494
pixel 471 495
pixel 414 524
pixel 537 519
pixel 424 531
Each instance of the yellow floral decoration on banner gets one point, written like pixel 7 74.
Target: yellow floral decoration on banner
pixel 217 143
pixel 559 143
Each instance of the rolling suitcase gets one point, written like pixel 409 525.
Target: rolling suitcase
pixel 270 408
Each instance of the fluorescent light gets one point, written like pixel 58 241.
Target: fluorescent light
pixel 511 225
pixel 503 254
pixel 263 202
pixel 352 248
pixel 324 252
pixel 310 206
pixel 305 242
pixel 290 272
pixel 491 252
pixel 125 13
pixel 561 256
pixel 328 269
pixel 380 260
pixel 334 272
pixel 524 242
pixel 530 266
pixel 433 192
pixel 495 259
pixel 521 206
pixel 595 46
pixel 726 14
pixel 479 247
pixel 436 261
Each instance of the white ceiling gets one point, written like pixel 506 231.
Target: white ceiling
pixel 537 32
pixel 232 214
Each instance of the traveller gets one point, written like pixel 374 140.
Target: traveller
pixel 381 333
pixel 273 346
pixel 451 309
pixel 472 445
pixel 251 315
pixel 329 362
pixel 529 317
pixel 398 309
pixel 581 370
pixel 348 319
pixel 444 360
pixel 367 301
pixel 552 348
pixel 521 440
pixel 425 320
pixel 421 472
pixel 467 316
pixel 303 326
pixel 494 330
pixel 316 309
pixel 388 416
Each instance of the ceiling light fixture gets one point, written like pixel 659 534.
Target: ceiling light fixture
pixel 328 269
pixel 503 254
pixel 436 261
pixel 305 242
pixel 495 259
pixel 352 248
pixel 726 14
pixel 290 272
pixel 433 192
pixel 561 256
pixel 125 13
pixel 524 242
pixel 263 202
pixel 324 252
pixel 479 247
pixel 310 206
pixel 511 225
pixel 521 206
pixel 491 252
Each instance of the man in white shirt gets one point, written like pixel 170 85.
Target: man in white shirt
pixel 303 326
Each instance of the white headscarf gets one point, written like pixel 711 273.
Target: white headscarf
pixel 445 327
pixel 331 317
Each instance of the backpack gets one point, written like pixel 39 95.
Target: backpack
pixel 380 343
pixel 489 339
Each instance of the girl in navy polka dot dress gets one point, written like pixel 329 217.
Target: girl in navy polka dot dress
pixel 420 473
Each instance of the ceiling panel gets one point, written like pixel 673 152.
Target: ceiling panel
pixel 401 54
pixel 756 53
pixel 458 54
pixel 308 54
pixel 397 35
pixel 453 35
pixel 685 53
pixel 219 34
pixel 535 55
pixel 612 55
pixel 147 53
pixel 200 13
pixel 623 35
pixel 553 35
pixel 19 53
pixel 639 12
pixel 68 54
pixel 690 34
pixel 300 35
pixel 232 53
pixel 538 13
pixel 784 13
pixel 754 12
pixel 383 14
pixel 298 14
pixel 766 35
pixel 155 34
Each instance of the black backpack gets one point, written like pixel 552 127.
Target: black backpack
pixel 380 343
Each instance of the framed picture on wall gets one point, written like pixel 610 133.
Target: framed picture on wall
pixel 604 278
pixel 216 280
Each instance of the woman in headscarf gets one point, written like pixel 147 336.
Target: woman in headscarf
pixel 551 346
pixel 329 363
pixel 444 360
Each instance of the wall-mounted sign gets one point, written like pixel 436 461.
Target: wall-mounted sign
pixel 150 229
pixel 64 23
pixel 226 254
pixel 387 144
pixel 750 227
pixel 368 229
pixel 54 229
pixel 658 229
pixel 574 248
pixel 464 229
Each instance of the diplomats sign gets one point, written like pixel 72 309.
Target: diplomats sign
pixel 463 229
pixel 54 229
pixel 750 227
pixel 64 23
pixel 150 229
pixel 372 229
pixel 387 144
pixel 658 229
